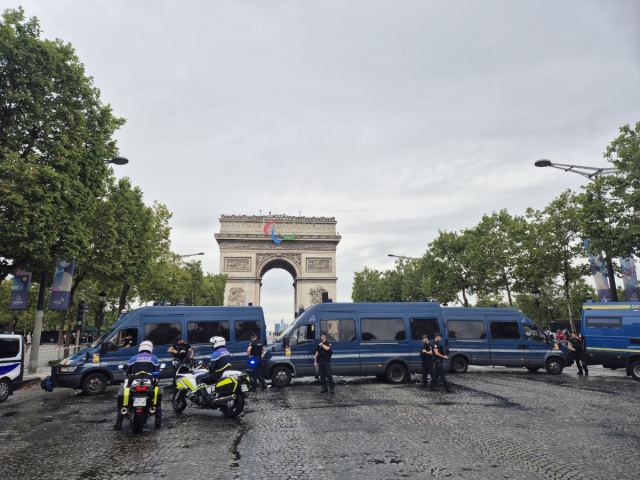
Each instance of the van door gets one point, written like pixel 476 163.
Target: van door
pixel 536 346
pixel 420 327
pixel 11 363
pixel 384 336
pixel 468 335
pixel 243 327
pixel 302 342
pixel 507 347
pixel 341 333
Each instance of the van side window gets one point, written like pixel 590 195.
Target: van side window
pixel 339 330
pixel 303 334
pixel 533 333
pixel 423 326
pixel 383 329
pixel 9 347
pixel 162 333
pixel 504 330
pixel 125 338
pixel 246 328
pixel 467 329
pixel 603 322
pixel 201 332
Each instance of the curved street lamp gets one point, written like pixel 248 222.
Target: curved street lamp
pixel 117 161
pixel 402 257
pixel 592 173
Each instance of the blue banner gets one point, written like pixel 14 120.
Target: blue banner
pixel 630 279
pixel 20 291
pixel 61 289
pixel 599 271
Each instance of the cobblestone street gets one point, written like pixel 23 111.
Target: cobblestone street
pixel 499 423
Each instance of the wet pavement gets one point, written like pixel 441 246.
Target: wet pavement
pixel 499 423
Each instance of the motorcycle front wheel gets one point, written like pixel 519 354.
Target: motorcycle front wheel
pixel 235 409
pixel 179 402
pixel 137 424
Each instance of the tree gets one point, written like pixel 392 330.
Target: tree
pixel 366 286
pixel 212 292
pixel 55 134
pixel 611 204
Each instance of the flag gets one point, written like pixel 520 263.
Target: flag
pixel 630 279
pixel 20 291
pixel 599 271
pixel 61 289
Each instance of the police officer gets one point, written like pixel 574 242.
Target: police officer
pixel 255 352
pixel 426 354
pixel 577 348
pixel 323 362
pixel 439 356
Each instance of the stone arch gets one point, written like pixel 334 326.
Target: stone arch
pixel 304 246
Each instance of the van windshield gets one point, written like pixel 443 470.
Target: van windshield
pixel 101 338
pixel 287 331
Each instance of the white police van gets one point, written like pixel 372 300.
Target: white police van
pixel 11 363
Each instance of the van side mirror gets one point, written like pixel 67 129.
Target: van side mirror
pixel 162 365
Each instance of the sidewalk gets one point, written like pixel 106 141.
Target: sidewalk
pixel 46 353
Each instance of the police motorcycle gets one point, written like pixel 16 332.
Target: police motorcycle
pixel 139 398
pixel 227 394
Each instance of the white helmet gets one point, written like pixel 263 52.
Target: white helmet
pixel 218 342
pixel 145 346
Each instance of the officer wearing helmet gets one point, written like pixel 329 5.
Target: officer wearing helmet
pixel 142 365
pixel 220 361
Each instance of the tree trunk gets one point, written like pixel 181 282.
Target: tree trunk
pixel 506 284
pixel 464 296
pixel 61 329
pixel 123 299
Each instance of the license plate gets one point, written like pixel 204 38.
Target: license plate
pixel 140 402
pixel 244 387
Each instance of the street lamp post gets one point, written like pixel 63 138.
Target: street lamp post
pixel 536 294
pixel 551 313
pixel 102 296
pixel 191 255
pixel 403 257
pixel 117 161
pixel 591 173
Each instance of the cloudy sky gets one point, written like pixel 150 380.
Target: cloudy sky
pixel 398 118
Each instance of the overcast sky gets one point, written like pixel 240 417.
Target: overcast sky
pixel 397 118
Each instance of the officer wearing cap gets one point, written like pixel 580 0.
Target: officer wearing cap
pixel 426 354
pixel 255 352
pixel 439 356
pixel 323 362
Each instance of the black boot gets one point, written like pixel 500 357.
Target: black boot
pixel 118 425
pixel 332 391
pixel 324 390
pixel 158 421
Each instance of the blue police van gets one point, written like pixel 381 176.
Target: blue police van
pixel 94 368
pixel 500 337
pixel 11 363
pixel 384 339
pixel 612 335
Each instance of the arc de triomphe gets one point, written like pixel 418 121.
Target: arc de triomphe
pixel 251 245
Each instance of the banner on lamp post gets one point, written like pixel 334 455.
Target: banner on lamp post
pixel 61 289
pixel 630 279
pixel 20 290
pixel 599 271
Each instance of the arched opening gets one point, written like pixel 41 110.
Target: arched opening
pixel 276 292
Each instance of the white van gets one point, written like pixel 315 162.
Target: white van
pixel 11 363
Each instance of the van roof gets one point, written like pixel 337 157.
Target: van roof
pixel 611 306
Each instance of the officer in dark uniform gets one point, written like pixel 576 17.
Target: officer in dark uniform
pixel 439 356
pixel 323 362
pixel 576 346
pixel 255 352
pixel 426 354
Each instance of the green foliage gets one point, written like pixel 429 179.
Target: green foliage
pixel 54 137
pixel 611 204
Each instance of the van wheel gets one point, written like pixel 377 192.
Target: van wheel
pixel 554 366
pixel 634 368
pixel 396 373
pixel 533 369
pixel 5 389
pixel 94 384
pixel 281 377
pixel 459 365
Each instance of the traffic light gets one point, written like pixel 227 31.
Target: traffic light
pixel 82 306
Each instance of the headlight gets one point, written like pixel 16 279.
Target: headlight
pixel 68 368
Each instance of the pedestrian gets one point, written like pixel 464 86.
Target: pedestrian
pixel 255 352
pixel 426 354
pixel 29 339
pixel 576 345
pixel 438 361
pixel 323 362
pixel 560 337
